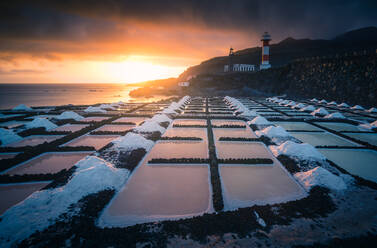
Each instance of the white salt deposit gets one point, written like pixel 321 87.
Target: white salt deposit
pixel 259 219
pixel 149 126
pixel 273 132
pixel 8 136
pixel 69 115
pixel 259 120
pixel 42 208
pixel 41 122
pixel 314 100
pixel 322 101
pixel 308 108
pixel 320 177
pixel 357 107
pixel 344 105
pixel 335 115
pixel 22 107
pixel 132 141
pixel 302 151
pixel 333 103
pixel 299 105
pixel 92 109
pixel 161 118
pixel 372 110
pixel 320 111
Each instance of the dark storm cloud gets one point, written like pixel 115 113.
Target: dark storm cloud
pixel 33 22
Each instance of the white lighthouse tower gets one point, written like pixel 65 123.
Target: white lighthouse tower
pixel 265 51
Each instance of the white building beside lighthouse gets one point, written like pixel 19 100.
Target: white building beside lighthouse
pixel 265 51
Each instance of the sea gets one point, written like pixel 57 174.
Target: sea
pixel 35 95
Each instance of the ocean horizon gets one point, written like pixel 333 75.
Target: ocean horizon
pixel 35 95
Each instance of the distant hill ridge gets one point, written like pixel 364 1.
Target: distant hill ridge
pixel 290 49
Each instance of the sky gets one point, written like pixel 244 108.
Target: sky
pixel 110 41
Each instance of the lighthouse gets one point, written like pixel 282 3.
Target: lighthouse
pixel 265 51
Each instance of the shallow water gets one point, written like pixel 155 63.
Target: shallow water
pixel 337 126
pixel 228 122
pixel 362 163
pixel 48 163
pixel 95 118
pixel 70 127
pixel 158 192
pixel 11 194
pixel 97 141
pixel 238 150
pixel 297 126
pixel 7 155
pixel 136 120
pixel 12 124
pixel 190 122
pixel 322 139
pixel 34 140
pixel 187 132
pixel 371 138
pixel 249 185
pixel 233 132
pixel 179 149
pixel 115 128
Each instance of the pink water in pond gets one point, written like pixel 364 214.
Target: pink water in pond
pixel 154 193
pixel 14 193
pixel 190 122
pixel 233 132
pixel 249 185
pixel 70 127
pixel 95 118
pixel 136 120
pixel 228 122
pixel 229 149
pixel 7 155
pixel 179 149
pixel 48 163
pixel 187 132
pixel 97 141
pixel 115 128
pixel 34 140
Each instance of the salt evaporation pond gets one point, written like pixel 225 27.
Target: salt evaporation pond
pixel 7 155
pixel 233 132
pixel 97 141
pixel 13 124
pixel 136 120
pixel 48 163
pixel 190 122
pixel 70 127
pixel 228 122
pixel 11 194
pixel 322 139
pixel 187 132
pixel 34 140
pixel 371 138
pixel 95 119
pixel 238 150
pixel 179 149
pixel 359 162
pixel 302 126
pixel 115 128
pixel 338 126
pixel 245 186
pixel 157 193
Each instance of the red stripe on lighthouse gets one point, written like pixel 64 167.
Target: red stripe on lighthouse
pixel 265 58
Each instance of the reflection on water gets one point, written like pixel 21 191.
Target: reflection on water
pixel 48 163
pixel 16 193
pixel 358 162
pixel 248 185
pixel 179 149
pixel 97 141
pixel 12 95
pixel 161 192
pixel 226 149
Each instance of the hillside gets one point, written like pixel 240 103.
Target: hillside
pixel 290 49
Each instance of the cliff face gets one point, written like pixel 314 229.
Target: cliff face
pixel 290 49
pixel 350 78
